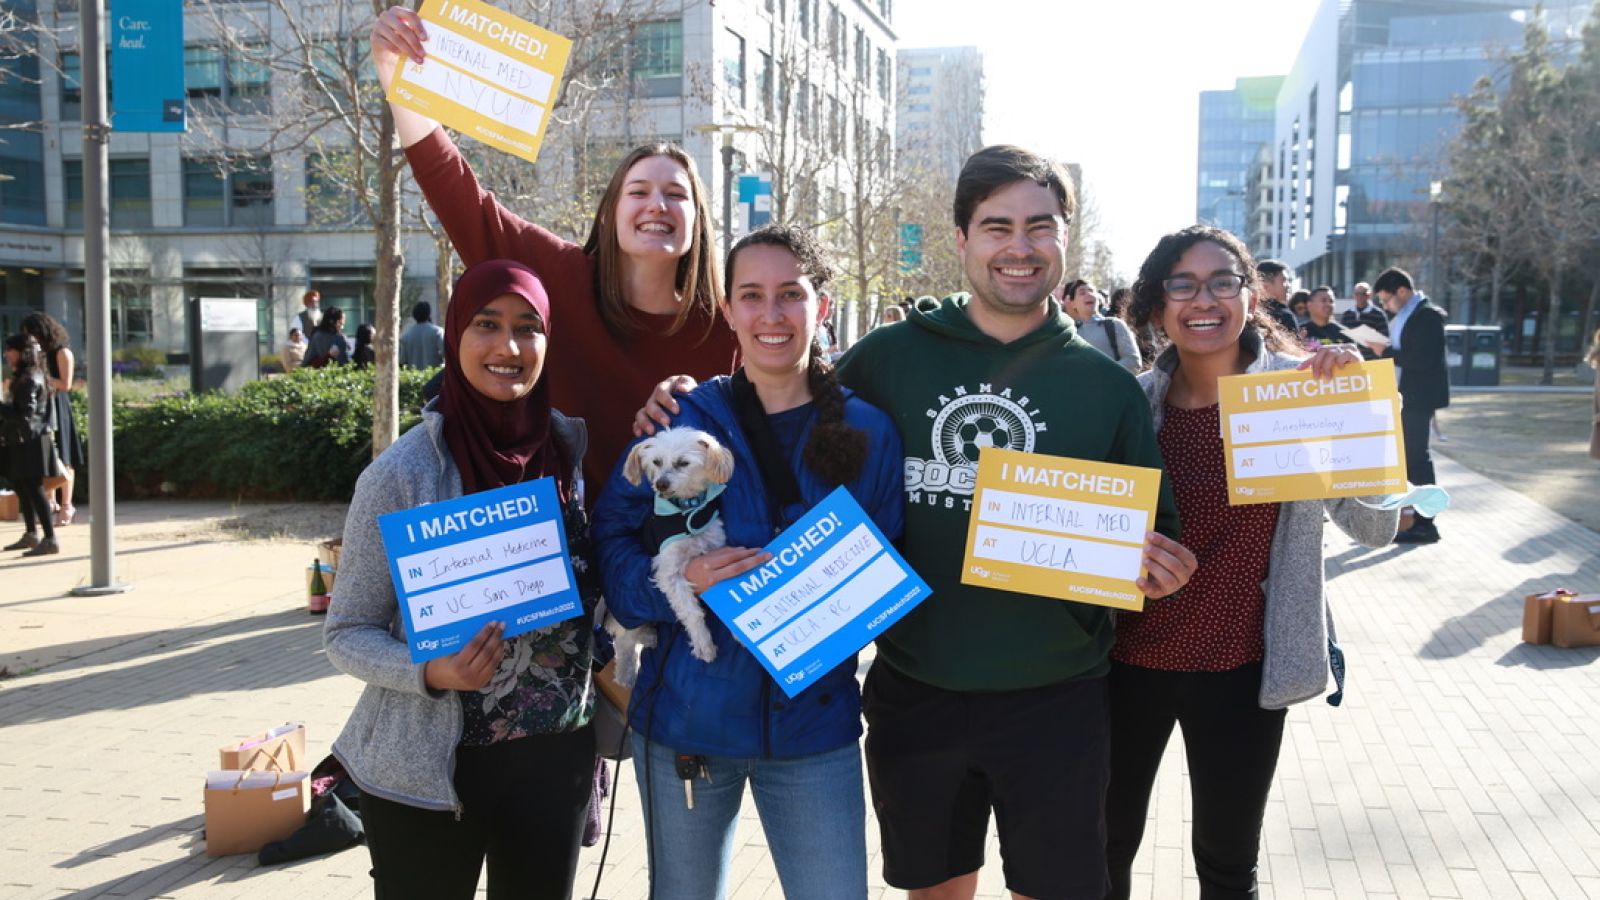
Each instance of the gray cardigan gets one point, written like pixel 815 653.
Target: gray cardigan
pixel 400 741
pixel 1299 623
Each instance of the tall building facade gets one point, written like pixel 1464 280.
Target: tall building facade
pixel 1362 125
pixel 940 114
pixel 1234 124
pixel 236 208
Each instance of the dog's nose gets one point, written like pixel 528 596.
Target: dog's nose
pixel 662 485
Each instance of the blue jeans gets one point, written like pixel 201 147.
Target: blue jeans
pixel 813 811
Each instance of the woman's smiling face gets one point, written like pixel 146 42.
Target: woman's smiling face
pixel 655 214
pixel 502 350
pixel 774 309
pixel 1204 323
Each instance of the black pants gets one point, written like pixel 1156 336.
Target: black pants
pixel 35 506
pixel 523 805
pixel 1232 747
pixel 1415 421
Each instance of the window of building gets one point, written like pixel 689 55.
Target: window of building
pixel 918 107
pixel 235 192
pixel 658 58
pixel 863 57
pixel 132 312
pixel 332 199
pixel 128 185
pixel 885 76
pixel 764 83
pixel 352 289
pixel 733 69
pixel 836 36
pixel 218 81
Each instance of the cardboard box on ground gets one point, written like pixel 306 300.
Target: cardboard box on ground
pixel 259 794
pixel 1562 618
pixel 10 509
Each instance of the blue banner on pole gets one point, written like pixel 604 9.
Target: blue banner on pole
pixel 834 584
pixel 494 556
pixel 147 66
pixel 755 194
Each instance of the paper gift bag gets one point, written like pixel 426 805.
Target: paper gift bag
pixel 247 810
pixel 9 507
pixel 283 749
pixel 1575 621
pixel 1536 615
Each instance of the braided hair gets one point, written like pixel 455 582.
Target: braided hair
pixel 836 451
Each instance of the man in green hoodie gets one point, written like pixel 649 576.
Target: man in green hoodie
pixel 982 699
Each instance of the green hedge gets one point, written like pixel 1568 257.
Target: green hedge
pixel 306 435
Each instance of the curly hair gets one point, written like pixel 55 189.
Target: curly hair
pixel 30 358
pixel 1150 295
pixel 47 331
pixel 835 450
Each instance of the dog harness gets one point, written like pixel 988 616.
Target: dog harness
pixel 675 520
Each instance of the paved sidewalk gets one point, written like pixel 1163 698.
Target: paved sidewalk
pixel 1462 765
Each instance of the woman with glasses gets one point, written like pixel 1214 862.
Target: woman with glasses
pixel 1250 634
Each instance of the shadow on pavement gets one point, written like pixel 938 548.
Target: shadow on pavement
pixel 290 653
pixel 129 843
pixel 122 550
pixel 1461 634
pixel 78 654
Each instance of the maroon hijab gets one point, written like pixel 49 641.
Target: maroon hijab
pixel 495 443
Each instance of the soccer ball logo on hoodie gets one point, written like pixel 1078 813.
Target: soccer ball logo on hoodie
pixel 970 423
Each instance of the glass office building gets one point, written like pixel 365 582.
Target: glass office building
pixel 1233 126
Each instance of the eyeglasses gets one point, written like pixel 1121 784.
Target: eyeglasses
pixel 1220 287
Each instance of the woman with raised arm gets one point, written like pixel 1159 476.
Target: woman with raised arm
pixel 638 300
pixel 486 754
pixel 1251 633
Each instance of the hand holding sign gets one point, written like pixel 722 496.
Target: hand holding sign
pixel 1168 565
pixel 470 669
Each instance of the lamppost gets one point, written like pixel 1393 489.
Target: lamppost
pixel 1435 194
pixel 727 131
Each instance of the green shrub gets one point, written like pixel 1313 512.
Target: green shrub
pixel 306 435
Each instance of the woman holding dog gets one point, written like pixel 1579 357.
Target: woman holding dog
pixel 638 299
pixel 794 435
pixel 1250 634
pixel 487 753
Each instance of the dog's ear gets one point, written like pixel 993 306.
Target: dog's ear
pixel 719 460
pixel 633 469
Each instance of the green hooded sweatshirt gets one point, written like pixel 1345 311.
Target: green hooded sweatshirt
pixel 952 389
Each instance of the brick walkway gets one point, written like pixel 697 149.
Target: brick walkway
pixel 1463 763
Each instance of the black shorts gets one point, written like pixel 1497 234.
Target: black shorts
pixel 940 760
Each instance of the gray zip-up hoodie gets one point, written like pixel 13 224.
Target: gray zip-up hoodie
pixel 400 741
pixel 1299 622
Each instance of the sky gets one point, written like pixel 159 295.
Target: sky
pixel 1113 85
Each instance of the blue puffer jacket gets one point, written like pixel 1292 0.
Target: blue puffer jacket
pixel 731 707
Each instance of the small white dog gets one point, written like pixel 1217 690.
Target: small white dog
pixel 688 470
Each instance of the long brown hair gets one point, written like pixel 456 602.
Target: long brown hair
pixel 696 279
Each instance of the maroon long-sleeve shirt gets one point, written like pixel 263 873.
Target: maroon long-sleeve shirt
pixel 593 374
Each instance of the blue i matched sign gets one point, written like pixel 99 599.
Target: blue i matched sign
pixel 494 556
pixel 147 66
pixel 834 584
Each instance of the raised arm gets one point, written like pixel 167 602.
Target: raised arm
pixel 478 226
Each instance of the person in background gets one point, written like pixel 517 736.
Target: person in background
pixel 1320 330
pixel 310 316
pixel 59 368
pixel 1250 634
pixel 422 344
pixel 329 346
pixel 1593 358
pixel 1276 277
pixel 795 436
pixel 1366 311
pixel 487 753
pixel 1297 308
pixel 892 314
pixel 363 355
pixel 25 448
pixel 1416 344
pixel 294 351
pixel 1113 337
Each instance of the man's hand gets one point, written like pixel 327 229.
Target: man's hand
pixel 721 564
pixel 1329 358
pixel 662 406
pixel 1169 564
pixel 470 668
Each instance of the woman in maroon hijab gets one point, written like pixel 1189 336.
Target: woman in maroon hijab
pixel 487 753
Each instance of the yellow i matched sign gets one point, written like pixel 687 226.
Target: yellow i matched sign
pixel 1057 527
pixel 1291 436
pixel 487 74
